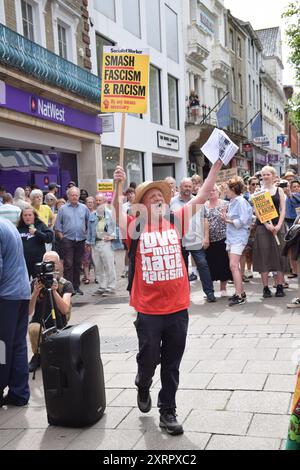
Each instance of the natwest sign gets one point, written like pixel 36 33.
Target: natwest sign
pixel 36 106
pixel 47 109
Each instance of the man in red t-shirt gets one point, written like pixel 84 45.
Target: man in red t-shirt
pixel 160 288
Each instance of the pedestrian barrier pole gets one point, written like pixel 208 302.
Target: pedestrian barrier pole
pixel 293 439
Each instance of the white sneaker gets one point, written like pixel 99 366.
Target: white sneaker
pixel 108 292
pixel 224 293
pixel 294 304
pixel 249 274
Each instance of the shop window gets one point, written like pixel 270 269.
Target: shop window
pixel 133 163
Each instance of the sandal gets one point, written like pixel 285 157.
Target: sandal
pixel 86 281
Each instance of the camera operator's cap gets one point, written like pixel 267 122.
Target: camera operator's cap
pixel 53 186
pixel 70 184
pixel 163 186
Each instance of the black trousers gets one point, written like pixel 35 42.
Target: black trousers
pixel 73 256
pixel 162 341
pixel 13 349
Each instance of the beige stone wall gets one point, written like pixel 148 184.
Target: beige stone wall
pixel 49 26
pixel 10 14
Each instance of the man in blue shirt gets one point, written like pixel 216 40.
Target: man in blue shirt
pixel 71 227
pixel 14 300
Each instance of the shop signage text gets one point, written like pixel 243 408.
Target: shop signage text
pixel 263 141
pixel 167 141
pixel 125 80
pixel 47 109
pixel 23 102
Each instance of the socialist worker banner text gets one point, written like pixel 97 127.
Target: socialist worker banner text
pixel 125 80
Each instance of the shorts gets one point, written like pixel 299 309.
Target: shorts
pixel 235 249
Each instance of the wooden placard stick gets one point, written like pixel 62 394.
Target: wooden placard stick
pixel 121 159
pixel 276 236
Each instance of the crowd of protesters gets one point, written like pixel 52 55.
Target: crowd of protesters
pixel 225 241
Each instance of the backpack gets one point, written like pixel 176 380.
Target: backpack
pixel 134 244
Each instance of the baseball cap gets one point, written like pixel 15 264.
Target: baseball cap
pixel 70 184
pixel 53 185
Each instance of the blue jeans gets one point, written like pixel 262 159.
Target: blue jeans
pixel 200 260
pixel 161 341
pixel 13 329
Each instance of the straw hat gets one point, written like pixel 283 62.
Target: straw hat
pixel 289 173
pixel 163 186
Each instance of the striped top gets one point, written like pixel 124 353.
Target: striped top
pixel 10 212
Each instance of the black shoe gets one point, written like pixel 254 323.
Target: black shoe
pixel 267 293
pixel 211 299
pixel 237 301
pixel 144 401
pixel 169 422
pixel 10 400
pixel 243 295
pixel 34 363
pixel 193 277
pixel 279 291
pixel 1 400
pixel 78 291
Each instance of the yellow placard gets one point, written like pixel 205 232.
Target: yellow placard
pixel 264 206
pixel 125 80
pixel 105 186
pixel 226 175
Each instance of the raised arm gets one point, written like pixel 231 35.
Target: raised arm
pixel 204 192
pixel 118 215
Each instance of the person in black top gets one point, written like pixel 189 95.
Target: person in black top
pixel 40 307
pixel 34 234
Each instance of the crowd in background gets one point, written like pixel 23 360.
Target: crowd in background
pixel 225 241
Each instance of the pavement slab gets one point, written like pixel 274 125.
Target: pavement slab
pixel 236 379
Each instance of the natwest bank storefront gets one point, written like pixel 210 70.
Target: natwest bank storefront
pixel 50 136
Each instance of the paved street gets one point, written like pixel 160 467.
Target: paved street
pixel 237 379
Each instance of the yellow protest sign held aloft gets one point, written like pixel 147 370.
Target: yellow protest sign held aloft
pixel 125 80
pixel 264 206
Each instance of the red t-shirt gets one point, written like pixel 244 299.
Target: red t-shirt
pixel 160 284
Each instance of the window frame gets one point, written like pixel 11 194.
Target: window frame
pixel 68 19
pixel 139 35
pixel 38 20
pixel 106 16
pixel 160 123
pixel 159 23
pixel 177 59
pixel 176 81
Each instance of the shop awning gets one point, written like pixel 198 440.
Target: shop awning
pixel 23 160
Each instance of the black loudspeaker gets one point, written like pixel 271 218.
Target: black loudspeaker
pixel 73 375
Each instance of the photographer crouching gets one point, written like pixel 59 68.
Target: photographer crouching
pixel 40 306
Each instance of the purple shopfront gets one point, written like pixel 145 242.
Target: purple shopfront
pixel 22 164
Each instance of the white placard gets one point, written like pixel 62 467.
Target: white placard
pixel 219 146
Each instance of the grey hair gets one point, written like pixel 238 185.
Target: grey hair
pixel 34 193
pixel 72 189
pixel 19 194
pixel 51 197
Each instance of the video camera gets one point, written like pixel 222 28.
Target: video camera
pixel 45 273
